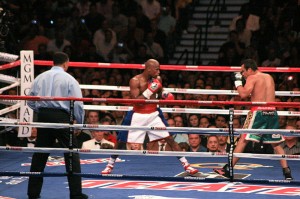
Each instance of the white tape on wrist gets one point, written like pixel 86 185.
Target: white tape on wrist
pixel 147 93
pixel 238 83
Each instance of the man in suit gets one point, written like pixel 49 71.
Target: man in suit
pixel 97 141
pixel 159 145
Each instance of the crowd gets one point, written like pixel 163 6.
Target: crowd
pixel 129 31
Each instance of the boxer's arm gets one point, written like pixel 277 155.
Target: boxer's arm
pixel 134 89
pixel 246 90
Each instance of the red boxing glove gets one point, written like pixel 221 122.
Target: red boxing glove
pixel 167 96
pixel 153 87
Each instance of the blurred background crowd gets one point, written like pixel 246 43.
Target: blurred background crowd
pixel 132 31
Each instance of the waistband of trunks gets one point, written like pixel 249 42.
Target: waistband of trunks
pixel 263 108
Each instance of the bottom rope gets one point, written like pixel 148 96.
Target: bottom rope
pixel 151 178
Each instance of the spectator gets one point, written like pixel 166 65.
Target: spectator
pixel 184 146
pixel 118 21
pixel 233 42
pixel 105 38
pixel 272 60
pixel 105 8
pixel 221 121
pixel 58 43
pixel 151 8
pixel 106 47
pixel 134 146
pixel 160 145
pixel 291 145
pixel 204 122
pixel 154 49
pixel 212 143
pixel 179 137
pixel 97 141
pixel 34 38
pixel 223 145
pixel 195 143
pixel 83 7
pixel 93 19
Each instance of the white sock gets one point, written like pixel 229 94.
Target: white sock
pixel 111 161
pixel 183 161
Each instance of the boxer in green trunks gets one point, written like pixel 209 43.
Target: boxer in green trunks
pixel 263 118
pixel 260 87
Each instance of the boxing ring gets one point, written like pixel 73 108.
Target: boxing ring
pixel 151 174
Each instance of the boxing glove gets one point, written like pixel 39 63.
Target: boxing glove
pixel 167 96
pixel 238 79
pixel 154 86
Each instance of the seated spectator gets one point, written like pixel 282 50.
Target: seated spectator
pixel 179 137
pixel 195 143
pixel 154 49
pixel 184 146
pixel 224 147
pixel 221 121
pixel 82 136
pixel 141 55
pixel 106 46
pixel 272 60
pixel 92 17
pixel 97 141
pixel 212 143
pixel 151 8
pixel 244 35
pixel 34 39
pixel 118 21
pixel 204 122
pixel 58 43
pixel 134 146
pixel 233 42
pixel 159 145
pixel 291 145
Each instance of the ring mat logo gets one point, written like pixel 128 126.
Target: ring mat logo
pixel 239 166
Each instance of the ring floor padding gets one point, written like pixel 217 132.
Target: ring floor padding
pixel 57 188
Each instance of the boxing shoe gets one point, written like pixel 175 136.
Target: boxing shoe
pixel 287 173
pixel 190 169
pixel 108 169
pixel 224 171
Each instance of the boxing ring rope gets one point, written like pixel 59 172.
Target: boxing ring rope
pixel 185 110
pixel 151 128
pixel 169 67
pixel 150 153
pixel 154 101
pixel 151 178
pixel 185 91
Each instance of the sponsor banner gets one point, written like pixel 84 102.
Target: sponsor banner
pixel 27 77
pixel 190 186
pixel 52 162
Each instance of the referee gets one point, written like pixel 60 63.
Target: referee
pixel 55 82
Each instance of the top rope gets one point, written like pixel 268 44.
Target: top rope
pixel 169 67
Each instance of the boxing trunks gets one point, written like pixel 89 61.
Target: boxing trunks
pixel 263 118
pixel 123 135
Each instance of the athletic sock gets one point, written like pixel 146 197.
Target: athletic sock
pixel 183 161
pixel 112 160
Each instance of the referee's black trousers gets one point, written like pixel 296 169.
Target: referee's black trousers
pixel 46 137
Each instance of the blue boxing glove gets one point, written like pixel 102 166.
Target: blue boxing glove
pixel 238 79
